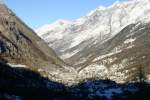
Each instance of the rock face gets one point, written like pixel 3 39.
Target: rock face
pixel 109 43
pixel 123 61
pixel 20 45
pixel 122 57
pixel 76 41
pixel 30 69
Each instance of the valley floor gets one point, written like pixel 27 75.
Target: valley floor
pixel 23 84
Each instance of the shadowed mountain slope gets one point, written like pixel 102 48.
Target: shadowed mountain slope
pixel 20 44
pixel 24 84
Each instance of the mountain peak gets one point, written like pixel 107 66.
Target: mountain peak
pixel 98 26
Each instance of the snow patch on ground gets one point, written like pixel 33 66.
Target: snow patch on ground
pixel 129 40
pixel 17 65
pixel 107 89
pixel 106 55
pixel 68 55
pixel 81 61
pixel 110 92
pixel 12 97
pixel 148 78
pixel 131 46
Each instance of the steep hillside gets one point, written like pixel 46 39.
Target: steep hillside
pixel 124 58
pixel 20 45
pixel 76 41
pixel 22 41
pixel 121 57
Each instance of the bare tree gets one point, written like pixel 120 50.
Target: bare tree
pixel 141 75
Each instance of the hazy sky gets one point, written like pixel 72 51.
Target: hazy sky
pixel 38 12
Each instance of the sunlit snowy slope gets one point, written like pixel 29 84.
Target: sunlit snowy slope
pixel 76 41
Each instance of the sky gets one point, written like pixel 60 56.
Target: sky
pixel 36 13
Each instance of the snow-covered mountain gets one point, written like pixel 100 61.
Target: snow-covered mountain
pixel 108 47
pixel 77 41
pixel 123 58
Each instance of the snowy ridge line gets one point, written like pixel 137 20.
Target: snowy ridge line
pixel 100 25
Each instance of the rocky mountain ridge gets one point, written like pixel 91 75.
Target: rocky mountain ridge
pixel 108 59
pixel 29 69
pixel 19 45
pixel 76 41
pixel 105 44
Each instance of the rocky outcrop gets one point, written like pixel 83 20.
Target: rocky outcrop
pixel 124 58
pixel 20 45
pixel 77 41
